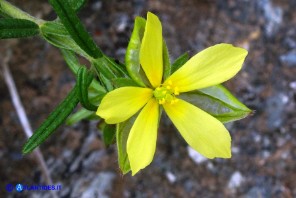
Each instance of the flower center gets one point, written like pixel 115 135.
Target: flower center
pixel 166 93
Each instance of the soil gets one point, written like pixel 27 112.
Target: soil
pixel 263 162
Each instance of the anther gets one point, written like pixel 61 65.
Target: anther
pixel 165 94
pixel 161 101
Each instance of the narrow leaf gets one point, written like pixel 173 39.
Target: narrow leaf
pixel 8 10
pixel 77 4
pixel 56 34
pixel 124 82
pixel 104 73
pixel 218 102
pixel 122 132
pixel 181 60
pixel 95 90
pixel 17 28
pixel 71 60
pixel 118 68
pixel 132 56
pixel 102 66
pixel 84 78
pixel 107 69
pixel 53 121
pixel 109 134
pixel 166 61
pixel 95 93
pixel 75 28
pixel 80 115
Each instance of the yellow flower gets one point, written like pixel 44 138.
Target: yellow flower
pixel 201 131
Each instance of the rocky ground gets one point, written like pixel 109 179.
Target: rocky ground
pixel 263 145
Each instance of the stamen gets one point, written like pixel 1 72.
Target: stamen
pixel 161 101
pixel 166 93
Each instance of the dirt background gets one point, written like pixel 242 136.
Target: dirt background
pixel 263 145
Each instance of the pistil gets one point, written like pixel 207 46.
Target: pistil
pixel 166 93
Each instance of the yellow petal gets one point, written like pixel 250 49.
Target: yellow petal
pixel 151 50
pixel 201 131
pixel 209 67
pixel 120 104
pixel 141 141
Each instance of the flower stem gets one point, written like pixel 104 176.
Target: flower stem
pixel 16 101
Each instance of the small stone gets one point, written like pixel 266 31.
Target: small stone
pixel 121 22
pixel 266 154
pixel 257 138
pixel 171 177
pixel 235 150
pixel 93 158
pixel 275 110
pixel 211 167
pixel 285 155
pixel 273 16
pixel 293 85
pixel 289 58
pixel 236 180
pixel 195 156
pixel 258 191
pixel 100 185
pixel 97 6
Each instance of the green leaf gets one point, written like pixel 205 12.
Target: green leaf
pixel 56 34
pixel 109 134
pixel 95 93
pixel 95 90
pixel 75 28
pixel 80 115
pixel 17 28
pixel 122 132
pixel 84 78
pixel 53 121
pixel 71 60
pixel 124 82
pixel 117 68
pixel 132 56
pixel 218 102
pixel 180 61
pixel 77 4
pixel 107 69
pixel 104 73
pixel 95 97
pixel 7 10
pixel 166 62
